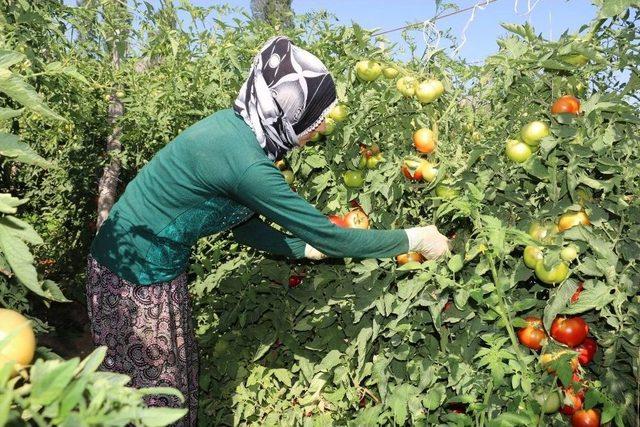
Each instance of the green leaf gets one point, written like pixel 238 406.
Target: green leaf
pixel 157 417
pixel 434 397
pixel 49 379
pixel 10 57
pixel 612 8
pixel 18 151
pixel 20 260
pixel 25 94
pixel 8 203
pixel 455 263
pixel 9 113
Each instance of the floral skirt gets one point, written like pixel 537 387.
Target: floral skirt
pixel 149 334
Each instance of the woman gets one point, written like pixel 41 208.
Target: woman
pixel 218 174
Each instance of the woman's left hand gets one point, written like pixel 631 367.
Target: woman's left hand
pixel 312 253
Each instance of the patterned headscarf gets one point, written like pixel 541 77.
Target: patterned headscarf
pixel 289 92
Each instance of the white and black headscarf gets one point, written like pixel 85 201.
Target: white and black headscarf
pixel 289 92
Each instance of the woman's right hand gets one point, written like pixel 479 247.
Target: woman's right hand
pixel 428 241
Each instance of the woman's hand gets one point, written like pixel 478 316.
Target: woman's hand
pixel 312 253
pixel 428 241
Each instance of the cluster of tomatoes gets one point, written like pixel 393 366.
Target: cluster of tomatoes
pixel 570 331
pixel 573 333
pixel 415 168
pixel 520 150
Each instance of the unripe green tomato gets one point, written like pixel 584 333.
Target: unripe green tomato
pixel 353 179
pixel 533 132
pixel 390 72
pixel 339 112
pixel 550 403
pixel 363 162
pixel 556 274
pixel 288 176
pixel 406 86
pixel 569 253
pixel 532 255
pixel 518 151
pixel 330 126
pixel 372 162
pixel 316 137
pixel 120 94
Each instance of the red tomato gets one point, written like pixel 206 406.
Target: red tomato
pixel 576 294
pixel 533 335
pixel 586 418
pixel 587 351
pixel 356 219
pixel 566 104
pixel 295 281
pixel 569 330
pixel 573 401
pixel 337 220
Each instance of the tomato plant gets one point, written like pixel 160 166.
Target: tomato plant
pixel 364 342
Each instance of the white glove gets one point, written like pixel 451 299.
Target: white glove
pixel 427 241
pixel 312 253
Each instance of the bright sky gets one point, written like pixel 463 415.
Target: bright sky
pixel 549 17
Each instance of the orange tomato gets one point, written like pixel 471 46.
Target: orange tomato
pixel 566 104
pixel 424 140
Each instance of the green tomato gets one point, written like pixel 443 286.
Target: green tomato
pixel 288 176
pixel 372 162
pixel 518 151
pixel 316 137
pixel 363 162
pixel 532 255
pixel 429 90
pixel 368 70
pixel 578 59
pixel 554 275
pixel 550 403
pixel 543 232
pixel 569 253
pixel 330 126
pixel 339 112
pixel 406 86
pixel 533 132
pixel 390 72
pixel 353 179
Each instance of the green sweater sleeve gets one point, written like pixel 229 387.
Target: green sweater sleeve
pixel 263 237
pixel 262 189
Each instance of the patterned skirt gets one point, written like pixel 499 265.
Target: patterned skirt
pixel 149 334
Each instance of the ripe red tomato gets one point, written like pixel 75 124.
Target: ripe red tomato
pixel 586 418
pixel 356 219
pixel 337 220
pixel 569 330
pixel 424 140
pixel 533 335
pixel 566 104
pixel 412 170
pixel 295 281
pixel 573 401
pixel 587 351
pixel 410 256
pixel 576 294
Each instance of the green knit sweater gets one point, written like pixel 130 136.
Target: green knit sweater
pixel 212 177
